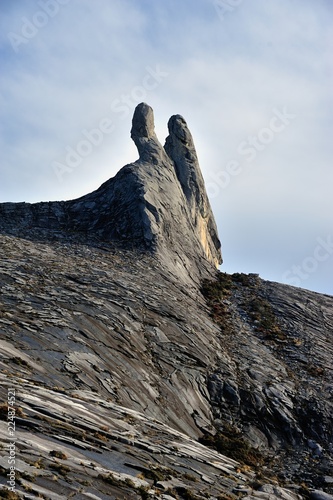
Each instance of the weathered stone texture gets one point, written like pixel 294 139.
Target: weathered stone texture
pixel 119 365
pixel 158 203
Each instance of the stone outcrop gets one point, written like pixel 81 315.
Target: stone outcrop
pixel 125 376
pixel 157 203
pixel 180 148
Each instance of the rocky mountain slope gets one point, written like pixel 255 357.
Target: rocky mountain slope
pixel 133 369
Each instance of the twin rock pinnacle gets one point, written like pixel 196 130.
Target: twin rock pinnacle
pixel 158 203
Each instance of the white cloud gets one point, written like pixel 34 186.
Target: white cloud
pixel 225 77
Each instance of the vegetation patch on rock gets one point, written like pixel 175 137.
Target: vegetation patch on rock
pixel 230 442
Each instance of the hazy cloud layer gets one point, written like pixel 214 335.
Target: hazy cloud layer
pixel 252 79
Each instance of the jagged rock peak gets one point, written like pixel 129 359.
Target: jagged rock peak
pixel 180 148
pixel 143 127
pixel 190 205
pixel 157 203
pixel 143 134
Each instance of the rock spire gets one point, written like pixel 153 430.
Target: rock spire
pixel 143 134
pixel 158 203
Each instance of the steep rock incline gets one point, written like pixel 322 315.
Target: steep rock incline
pixel 277 392
pixel 119 365
pixel 109 320
pixel 157 203
pixel 81 324
pixel 108 356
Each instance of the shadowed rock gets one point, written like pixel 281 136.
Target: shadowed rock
pixel 119 367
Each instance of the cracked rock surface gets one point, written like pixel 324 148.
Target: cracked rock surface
pixel 120 368
pixel 135 369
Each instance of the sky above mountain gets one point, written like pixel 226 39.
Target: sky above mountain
pixel 253 80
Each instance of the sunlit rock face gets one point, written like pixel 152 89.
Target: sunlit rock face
pixel 180 147
pixel 158 203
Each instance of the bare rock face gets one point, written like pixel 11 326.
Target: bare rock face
pixel 181 221
pixel 143 135
pixel 180 148
pixel 157 203
pixel 118 369
pixel 123 376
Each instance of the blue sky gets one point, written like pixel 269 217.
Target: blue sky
pixel 253 79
